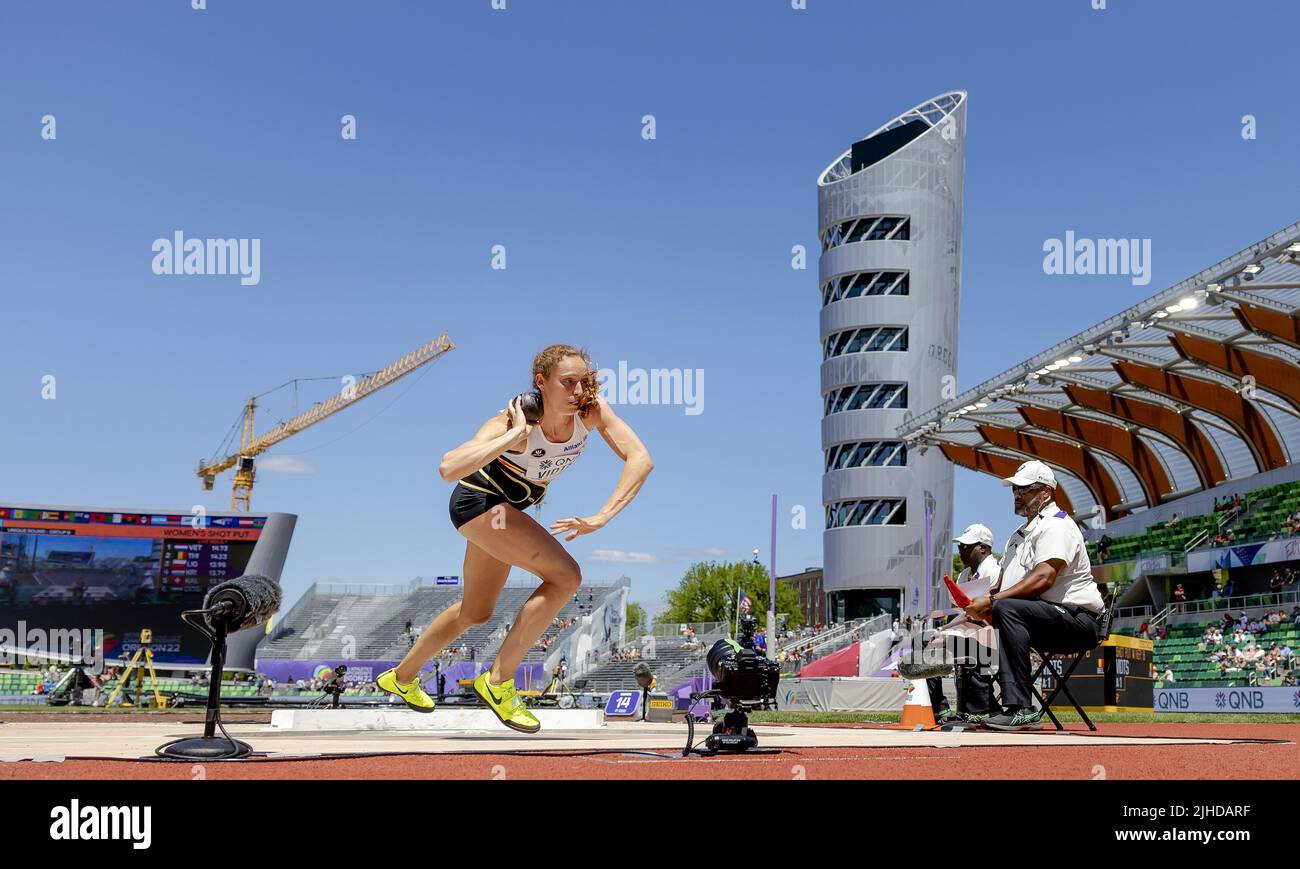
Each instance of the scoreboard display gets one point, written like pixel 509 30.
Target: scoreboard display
pixel 185 562
pixel 119 572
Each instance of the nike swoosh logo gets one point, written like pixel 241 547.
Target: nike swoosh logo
pixel 488 689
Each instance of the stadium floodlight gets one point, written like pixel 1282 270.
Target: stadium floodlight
pixel 1251 270
pixel 1173 309
pixel 1061 363
pixel 1293 247
pixel 981 404
pixel 1076 358
pixel 1188 303
pixel 1160 315
pixel 1040 372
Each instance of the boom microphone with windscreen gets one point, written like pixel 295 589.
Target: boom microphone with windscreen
pixel 229 607
pixel 242 603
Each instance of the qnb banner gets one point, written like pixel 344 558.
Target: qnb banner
pixel 1227 700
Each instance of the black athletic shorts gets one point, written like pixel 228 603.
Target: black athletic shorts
pixel 466 504
pixel 481 491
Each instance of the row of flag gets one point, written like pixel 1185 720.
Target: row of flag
pixel 173 521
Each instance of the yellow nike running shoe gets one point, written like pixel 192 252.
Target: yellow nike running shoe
pixel 504 701
pixel 411 691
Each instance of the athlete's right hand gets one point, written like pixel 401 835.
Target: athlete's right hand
pixel 515 418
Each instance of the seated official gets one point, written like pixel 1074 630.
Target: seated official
pixel 975 549
pixel 1046 596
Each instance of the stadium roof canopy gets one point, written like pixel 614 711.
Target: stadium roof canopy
pixel 1193 386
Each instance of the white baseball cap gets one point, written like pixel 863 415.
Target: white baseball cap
pixel 1031 472
pixel 976 533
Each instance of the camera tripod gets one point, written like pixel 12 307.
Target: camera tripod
pixel 135 667
pixel 731 735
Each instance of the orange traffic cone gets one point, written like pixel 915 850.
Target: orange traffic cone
pixel 917 712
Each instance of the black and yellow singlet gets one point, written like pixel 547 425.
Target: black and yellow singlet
pixel 517 479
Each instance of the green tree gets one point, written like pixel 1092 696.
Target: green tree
pixel 637 623
pixel 707 593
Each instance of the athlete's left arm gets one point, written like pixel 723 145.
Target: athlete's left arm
pixel 637 465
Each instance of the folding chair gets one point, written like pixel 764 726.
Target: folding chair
pixel 1063 677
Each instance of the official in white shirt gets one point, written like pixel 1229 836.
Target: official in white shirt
pixel 1046 596
pixel 975 549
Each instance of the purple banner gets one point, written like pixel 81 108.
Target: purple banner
pixel 530 675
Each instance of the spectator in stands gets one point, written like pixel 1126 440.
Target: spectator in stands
pixel 1103 548
pixel 1172 522
pixel 1180 596
pixel 1143 631
pixel 1295 615
pixel 1045 595
pixel 1168 677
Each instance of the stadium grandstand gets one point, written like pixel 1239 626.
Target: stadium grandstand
pixel 1174 429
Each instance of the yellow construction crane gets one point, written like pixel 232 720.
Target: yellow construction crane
pixel 252 446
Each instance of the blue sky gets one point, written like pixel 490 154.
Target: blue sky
pixel 522 128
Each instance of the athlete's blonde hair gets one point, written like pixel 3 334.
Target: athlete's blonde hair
pixel 549 357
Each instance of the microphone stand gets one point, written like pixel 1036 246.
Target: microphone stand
pixel 209 746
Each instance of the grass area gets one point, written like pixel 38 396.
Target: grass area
pixel 1066 718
